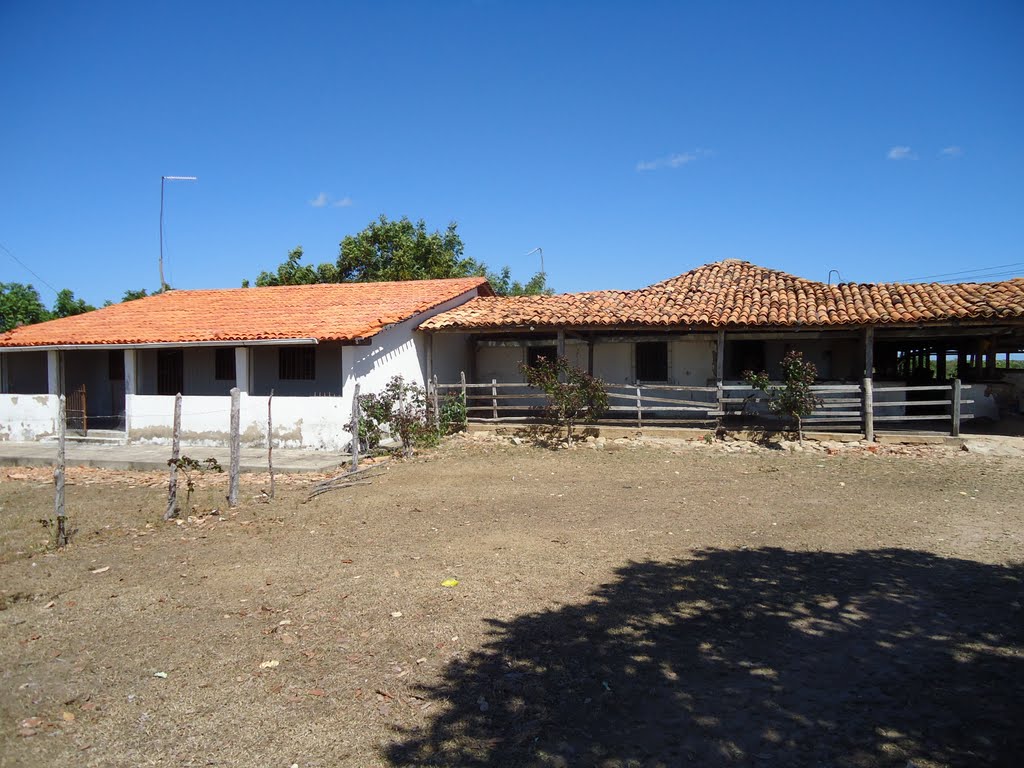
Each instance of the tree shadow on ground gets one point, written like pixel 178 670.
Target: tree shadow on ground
pixel 748 657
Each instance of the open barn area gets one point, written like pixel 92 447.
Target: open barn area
pixel 496 604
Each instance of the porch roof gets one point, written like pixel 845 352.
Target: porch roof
pixel 739 294
pixel 325 312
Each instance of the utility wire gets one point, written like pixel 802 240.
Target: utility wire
pixel 978 270
pixel 26 266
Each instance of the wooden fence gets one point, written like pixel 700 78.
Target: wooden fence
pixel 844 407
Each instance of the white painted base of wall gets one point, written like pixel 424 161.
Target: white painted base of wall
pixel 24 418
pixel 299 422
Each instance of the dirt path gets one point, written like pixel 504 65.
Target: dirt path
pixel 655 606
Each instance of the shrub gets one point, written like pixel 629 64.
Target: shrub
pixel 571 393
pixel 794 397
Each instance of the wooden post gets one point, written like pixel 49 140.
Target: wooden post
pixel 955 431
pixel 355 428
pixel 869 352
pixel 61 534
pixel 940 364
pixel 494 398
pixel 270 443
pixel 437 405
pixel 465 402
pixel 590 357
pixel 869 410
pixel 720 369
pixel 236 447
pixel 639 409
pixel 172 485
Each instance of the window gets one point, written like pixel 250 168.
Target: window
pixel 296 364
pixel 533 354
pixel 170 371
pixel 224 365
pixel 115 365
pixel 652 361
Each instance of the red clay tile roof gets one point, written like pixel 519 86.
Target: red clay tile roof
pixel 327 312
pixel 740 294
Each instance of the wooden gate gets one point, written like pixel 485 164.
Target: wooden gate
pixel 77 418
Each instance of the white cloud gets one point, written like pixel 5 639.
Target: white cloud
pixel 900 153
pixel 345 202
pixel 951 151
pixel 320 200
pixel 676 160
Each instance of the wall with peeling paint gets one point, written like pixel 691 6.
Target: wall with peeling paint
pixel 299 422
pixel 27 417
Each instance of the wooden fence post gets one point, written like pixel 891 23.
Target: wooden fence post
pixel 955 431
pixel 437 410
pixel 236 447
pixel 494 398
pixel 639 409
pixel 355 428
pixel 270 443
pixel 869 410
pixel 172 485
pixel 465 402
pixel 61 534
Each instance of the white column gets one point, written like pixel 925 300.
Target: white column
pixel 54 377
pixel 242 369
pixel 130 374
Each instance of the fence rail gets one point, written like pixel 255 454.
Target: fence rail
pixel 842 406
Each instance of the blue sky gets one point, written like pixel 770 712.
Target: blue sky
pixel 630 141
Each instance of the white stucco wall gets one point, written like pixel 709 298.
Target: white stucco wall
pixel 299 422
pixel 27 417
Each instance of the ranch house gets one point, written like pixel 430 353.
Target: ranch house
pixel 120 367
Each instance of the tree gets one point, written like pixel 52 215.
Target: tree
pixel 504 285
pixel 571 393
pixel 398 250
pixel 131 295
pixel 67 305
pixel 291 272
pixel 20 305
pixel 401 250
pixel 794 397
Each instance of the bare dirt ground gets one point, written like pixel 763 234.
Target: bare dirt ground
pixel 649 606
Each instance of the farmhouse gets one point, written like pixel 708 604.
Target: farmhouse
pixel 678 349
pixel 120 367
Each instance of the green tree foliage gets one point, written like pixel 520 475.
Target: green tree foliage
pixel 389 250
pixel 504 285
pixel 400 410
pixel 292 272
pixel 794 397
pixel 571 393
pixel 131 295
pixel 67 305
pixel 401 250
pixel 20 305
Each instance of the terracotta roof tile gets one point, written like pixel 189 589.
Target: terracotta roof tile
pixel 326 312
pixel 740 294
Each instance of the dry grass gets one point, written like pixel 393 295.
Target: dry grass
pixel 593 586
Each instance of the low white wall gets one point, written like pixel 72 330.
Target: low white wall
pixel 27 417
pixel 299 422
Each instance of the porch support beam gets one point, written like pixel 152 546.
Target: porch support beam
pixel 720 367
pixel 54 377
pixel 5 376
pixel 869 352
pixel 242 369
pixel 130 373
pixel 430 358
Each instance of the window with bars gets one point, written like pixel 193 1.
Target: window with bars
pixel 296 364
pixel 652 361
pixel 224 364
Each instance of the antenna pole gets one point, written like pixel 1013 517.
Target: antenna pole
pixel 163 283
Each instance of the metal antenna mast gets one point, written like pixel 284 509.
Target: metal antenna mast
pixel 163 283
pixel 539 250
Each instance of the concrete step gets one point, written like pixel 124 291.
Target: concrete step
pixel 94 437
